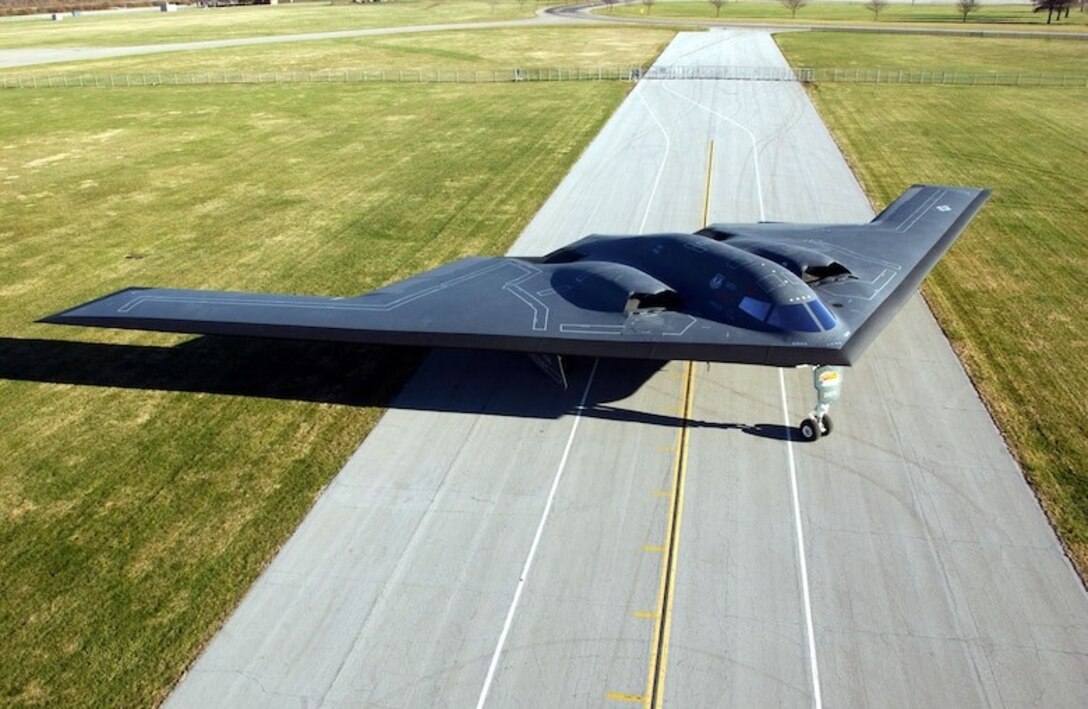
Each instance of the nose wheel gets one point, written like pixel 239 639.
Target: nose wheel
pixel 812 428
pixel 828 382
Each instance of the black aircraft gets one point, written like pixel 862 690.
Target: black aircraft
pixel 770 294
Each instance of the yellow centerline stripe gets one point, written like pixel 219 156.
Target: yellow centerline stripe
pixel 706 193
pixel 655 693
pixel 659 647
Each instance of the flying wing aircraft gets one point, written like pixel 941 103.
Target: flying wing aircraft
pixel 768 293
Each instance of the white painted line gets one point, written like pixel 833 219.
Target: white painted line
pixel 751 137
pixel 536 541
pixel 814 670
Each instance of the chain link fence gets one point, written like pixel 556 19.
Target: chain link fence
pixel 868 76
pixel 494 76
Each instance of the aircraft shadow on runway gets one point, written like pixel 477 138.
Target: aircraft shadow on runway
pixel 348 375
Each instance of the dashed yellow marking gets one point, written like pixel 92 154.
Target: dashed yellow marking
pixel 653 548
pixel 662 493
pixel 644 614
pixel 620 697
pixel 666 449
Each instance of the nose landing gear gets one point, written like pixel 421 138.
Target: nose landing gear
pixel 828 382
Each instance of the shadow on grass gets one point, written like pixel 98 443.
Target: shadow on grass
pixel 495 383
pixel 276 369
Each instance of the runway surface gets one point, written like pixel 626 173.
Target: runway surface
pixel 654 532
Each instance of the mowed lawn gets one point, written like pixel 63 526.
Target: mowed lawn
pixel 996 16
pixel 1010 293
pixel 931 53
pixel 463 50
pixel 145 479
pixel 192 23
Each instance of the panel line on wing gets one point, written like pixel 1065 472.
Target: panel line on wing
pixel 322 304
pixel 920 212
pixel 539 308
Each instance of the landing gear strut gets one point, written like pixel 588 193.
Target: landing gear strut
pixel 828 382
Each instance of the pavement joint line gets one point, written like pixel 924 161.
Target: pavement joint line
pixel 659 651
pixel 751 137
pixel 814 669
pixel 536 541
pixel 664 160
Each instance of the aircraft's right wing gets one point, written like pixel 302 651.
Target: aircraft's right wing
pixel 866 272
pixel 891 255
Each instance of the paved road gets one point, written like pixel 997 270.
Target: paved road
pixel 498 541
pixel 10 58
pixel 587 11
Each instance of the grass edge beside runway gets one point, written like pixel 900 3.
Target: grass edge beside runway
pixel 1009 307
pixel 148 478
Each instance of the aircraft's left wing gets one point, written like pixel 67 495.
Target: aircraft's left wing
pixel 476 302
pixel 486 303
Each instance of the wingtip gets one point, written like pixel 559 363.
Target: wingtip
pixel 66 317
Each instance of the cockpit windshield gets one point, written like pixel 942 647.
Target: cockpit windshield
pixel 826 318
pixel 793 317
pixel 812 316
pixel 802 317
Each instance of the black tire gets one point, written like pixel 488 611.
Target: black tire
pixel 809 429
pixel 825 425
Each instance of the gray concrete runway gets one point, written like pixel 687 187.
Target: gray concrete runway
pixel 497 541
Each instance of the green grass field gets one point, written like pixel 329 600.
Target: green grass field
pixel 528 47
pixel 190 24
pixel 139 495
pixel 1012 16
pixel 147 478
pixel 926 52
pixel 1008 295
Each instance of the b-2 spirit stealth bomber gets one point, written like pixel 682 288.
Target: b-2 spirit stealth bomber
pixel 772 294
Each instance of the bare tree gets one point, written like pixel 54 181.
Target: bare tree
pixel 610 3
pixel 717 7
pixel 1053 8
pixel 649 5
pixel 793 5
pixel 875 6
pixel 966 7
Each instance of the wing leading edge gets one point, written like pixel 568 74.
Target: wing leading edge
pixel 609 296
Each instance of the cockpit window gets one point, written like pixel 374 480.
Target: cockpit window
pixel 755 307
pixel 794 317
pixel 827 320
